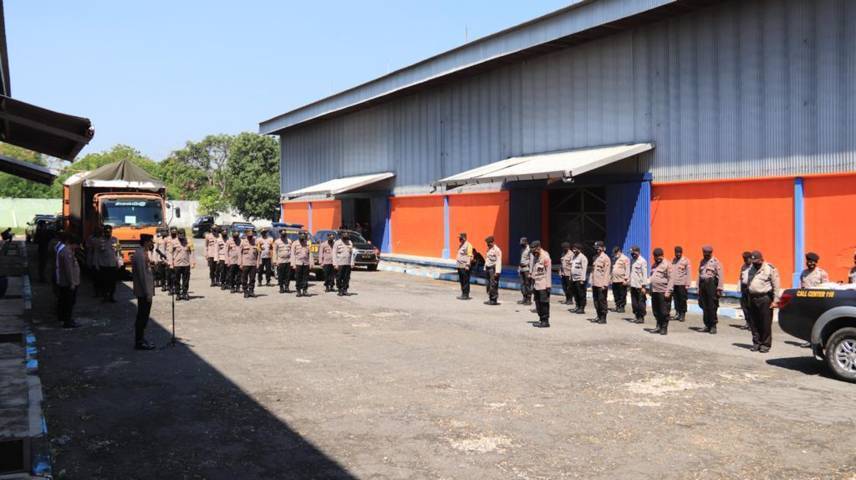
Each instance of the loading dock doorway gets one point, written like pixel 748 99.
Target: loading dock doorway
pixel 577 214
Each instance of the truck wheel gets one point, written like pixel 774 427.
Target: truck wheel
pixel 372 267
pixel 841 354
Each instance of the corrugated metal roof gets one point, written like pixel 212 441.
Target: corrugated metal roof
pixel 546 33
pixel 341 185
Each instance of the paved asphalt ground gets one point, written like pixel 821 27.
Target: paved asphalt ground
pixel 403 381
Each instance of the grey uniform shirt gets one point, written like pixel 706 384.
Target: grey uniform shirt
pixel 764 279
pixel 579 268
pixel 144 282
pixel 525 260
pixel 638 272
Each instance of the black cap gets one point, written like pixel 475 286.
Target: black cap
pixel 812 256
pixel 747 254
pixel 489 239
pixel 523 240
pixel 757 254
pixel 535 244
pixel 145 237
pixel 566 244
pixel 707 249
pixel 679 249
pixel 616 249
pixel 635 248
pixel 598 244
pixel 462 235
pixel 658 252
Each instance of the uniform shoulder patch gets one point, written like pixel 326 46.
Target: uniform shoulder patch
pixel 772 266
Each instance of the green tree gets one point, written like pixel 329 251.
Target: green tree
pixel 253 175
pixel 212 201
pixel 198 169
pixel 17 187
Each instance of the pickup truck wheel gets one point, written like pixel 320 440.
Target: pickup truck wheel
pixel 372 267
pixel 841 354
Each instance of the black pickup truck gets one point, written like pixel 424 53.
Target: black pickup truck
pixel 827 319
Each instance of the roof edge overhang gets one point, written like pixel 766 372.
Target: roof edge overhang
pixel 336 186
pixel 26 170
pixel 41 130
pixel 574 24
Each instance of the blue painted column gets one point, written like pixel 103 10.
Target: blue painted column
pixel 799 230
pixel 386 244
pixel 309 205
pixel 446 227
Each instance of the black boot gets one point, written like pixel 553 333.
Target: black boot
pixel 664 330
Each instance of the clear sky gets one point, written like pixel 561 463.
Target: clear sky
pixel 153 74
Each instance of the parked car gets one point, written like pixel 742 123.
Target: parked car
pixel 240 227
pixel 202 225
pixel 50 222
pixel 365 254
pixel 826 318
pixel 291 231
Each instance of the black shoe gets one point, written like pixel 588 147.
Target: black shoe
pixel 664 330
pixel 268 284
pixel 144 345
pixel 755 348
pixel 601 321
pixel 619 310
pixel 744 327
pixel 705 330
pixel 712 331
pixel 764 349
pixel 682 317
pixel 655 330
pixel 246 295
pixel 541 324
pixel 638 320
pixel 524 302
pixel 281 290
pixel 463 297
pixel 340 293
pixel 252 294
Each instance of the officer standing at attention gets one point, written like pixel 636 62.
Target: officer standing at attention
pixel 542 273
pixel 211 254
pixel 744 287
pixel 301 259
pixel 325 258
pixel 565 263
pixel 601 271
pixel 67 279
pixel 464 261
pixel 661 291
pixel 343 262
pixel 638 280
pixel 108 263
pixel 711 281
pixel 763 298
pixel 620 278
pixel 248 260
pixel 233 260
pixel 159 270
pixel 265 254
pixel 523 270
pixel 170 272
pixel 144 290
pixel 813 276
pixel 222 253
pixel 493 270
pixel 183 260
pixel 579 272
pixel 282 261
pixel 681 278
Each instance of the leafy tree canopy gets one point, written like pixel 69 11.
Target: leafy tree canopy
pixel 253 175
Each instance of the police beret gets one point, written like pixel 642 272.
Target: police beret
pixel 658 252
pixel 707 249
pixel 812 256
pixel 489 239
pixel 598 244
pixel 679 249
pixel 145 237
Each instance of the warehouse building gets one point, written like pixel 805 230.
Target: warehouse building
pixel 649 122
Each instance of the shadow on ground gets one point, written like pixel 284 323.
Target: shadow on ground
pixel 114 412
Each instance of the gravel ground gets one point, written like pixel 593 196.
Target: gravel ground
pixel 401 380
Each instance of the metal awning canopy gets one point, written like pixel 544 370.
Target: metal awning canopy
pixel 27 170
pixel 553 165
pixel 340 185
pixel 42 130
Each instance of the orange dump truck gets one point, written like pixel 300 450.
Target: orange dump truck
pixel 119 194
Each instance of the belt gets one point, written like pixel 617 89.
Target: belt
pixel 765 294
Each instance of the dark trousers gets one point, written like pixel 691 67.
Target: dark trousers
pixel 492 285
pixel 182 280
pixel 708 301
pixel 212 271
pixel 144 308
pixel 638 302
pixel 283 274
pixel 248 279
pixel 579 294
pixel 464 279
pixel 567 288
pixel 170 279
pixel 66 298
pixel 761 319
pixel 343 278
pixel 542 304
pixel 158 274
pixel 107 281
pixel 265 270
pixel 329 276
pixel 679 296
pixel 599 297
pixel 526 286
pixel 221 273
pixel 744 303
pixel 301 277
pixel 619 294
pixel 235 277
pixel 660 308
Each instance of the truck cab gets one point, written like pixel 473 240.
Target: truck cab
pixel 130 215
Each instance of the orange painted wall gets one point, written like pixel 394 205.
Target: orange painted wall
pixel 732 216
pixel 417 225
pixel 480 215
pixel 296 212
pixel 326 214
pixel 829 228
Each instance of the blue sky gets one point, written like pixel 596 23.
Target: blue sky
pixel 153 74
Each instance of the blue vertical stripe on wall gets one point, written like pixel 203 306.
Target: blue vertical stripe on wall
pixel 446 227
pixel 380 222
pixel 799 231
pixel 628 217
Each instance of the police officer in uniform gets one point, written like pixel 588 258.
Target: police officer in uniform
pixel 711 282
pixel 813 276
pixel 463 264
pixel 343 262
pixel 233 261
pixel 249 262
pixel 265 260
pixel 542 273
pixel 620 277
pixel 744 287
pixel 600 277
pixel 211 254
pixel 222 254
pixel 638 281
pixel 524 273
pixel 661 291
pixel 681 279
pixel 566 261
pixel 108 263
pixel 301 259
pixel 493 270
pixel 282 260
pixel 67 279
pixel 183 260
pixel 763 298
pixel 325 258
pixel 579 274
pixel 144 290
pixel 170 272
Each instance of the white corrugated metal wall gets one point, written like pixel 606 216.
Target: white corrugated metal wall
pixel 744 89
